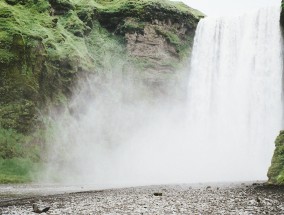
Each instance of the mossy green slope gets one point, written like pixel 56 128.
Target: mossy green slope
pixel 45 45
pixel 38 61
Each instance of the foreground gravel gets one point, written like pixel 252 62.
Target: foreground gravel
pixel 178 199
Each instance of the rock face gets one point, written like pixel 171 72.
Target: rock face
pixel 37 65
pixel 161 45
pixel 158 36
pixel 45 46
pixel 276 170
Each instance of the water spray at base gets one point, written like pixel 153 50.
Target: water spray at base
pixel 224 131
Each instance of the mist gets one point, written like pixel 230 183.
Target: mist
pixel 215 126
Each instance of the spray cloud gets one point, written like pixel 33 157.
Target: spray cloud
pixel 121 134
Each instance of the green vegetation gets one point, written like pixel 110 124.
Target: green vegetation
pixel 107 50
pixel 11 144
pixel 17 170
pixel 46 45
pixel 143 8
pixel 19 156
pixel 170 36
pixel 134 13
pixel 182 45
pixel 131 25
pixel 276 171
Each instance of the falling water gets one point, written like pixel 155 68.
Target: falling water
pixel 235 88
pixel 225 133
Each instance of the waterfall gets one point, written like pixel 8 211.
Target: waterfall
pixel 225 132
pixel 234 94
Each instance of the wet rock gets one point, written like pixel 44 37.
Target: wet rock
pixel 39 211
pixel 158 194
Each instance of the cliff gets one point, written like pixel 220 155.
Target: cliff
pixel 276 171
pixel 47 46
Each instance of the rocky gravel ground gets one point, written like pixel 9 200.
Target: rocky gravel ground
pixel 172 199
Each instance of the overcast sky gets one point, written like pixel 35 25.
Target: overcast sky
pixel 229 7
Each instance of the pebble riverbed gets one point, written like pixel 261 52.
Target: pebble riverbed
pixel 151 200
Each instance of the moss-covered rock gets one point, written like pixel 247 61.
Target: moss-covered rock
pixel 276 170
pixel 158 35
pixel 38 61
pixel 113 12
pixel 46 45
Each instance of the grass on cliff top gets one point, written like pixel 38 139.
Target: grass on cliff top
pixel 118 5
pixel 59 34
pixel 33 22
pixel 136 6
